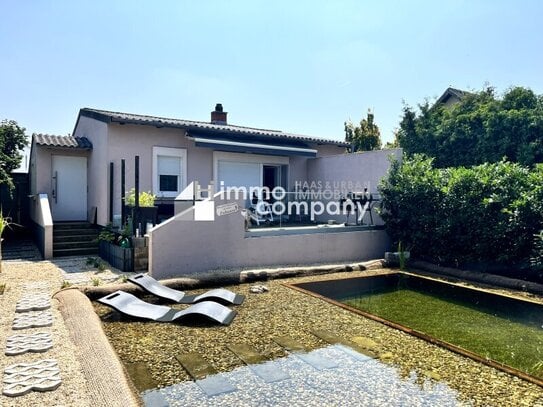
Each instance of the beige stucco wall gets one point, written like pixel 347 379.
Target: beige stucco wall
pixel 127 141
pixel 97 169
pixel 113 142
pixel 181 246
pixel 41 167
pixel 365 169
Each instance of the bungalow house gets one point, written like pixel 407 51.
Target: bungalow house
pixel 77 177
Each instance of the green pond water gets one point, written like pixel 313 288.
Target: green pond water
pixel 505 332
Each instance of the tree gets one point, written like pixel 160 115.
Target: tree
pixel 365 137
pixel 12 141
pixel 479 128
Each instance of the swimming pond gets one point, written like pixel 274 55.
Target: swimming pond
pixel 495 327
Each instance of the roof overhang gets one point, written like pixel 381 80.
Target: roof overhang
pixel 255 148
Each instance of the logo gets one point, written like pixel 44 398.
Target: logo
pixel 312 199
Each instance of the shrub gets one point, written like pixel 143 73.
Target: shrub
pixel 483 214
pixel 145 198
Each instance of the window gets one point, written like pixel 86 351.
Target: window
pixel 169 171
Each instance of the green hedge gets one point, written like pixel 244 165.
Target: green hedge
pixel 484 214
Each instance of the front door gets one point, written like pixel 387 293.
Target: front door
pixel 69 188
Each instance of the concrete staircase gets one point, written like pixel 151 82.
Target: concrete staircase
pixel 75 239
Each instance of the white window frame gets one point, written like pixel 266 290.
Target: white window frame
pixel 182 182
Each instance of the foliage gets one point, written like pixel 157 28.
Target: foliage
pixel 484 214
pixel 96 263
pixel 5 223
pixel 146 199
pixel 96 281
pixel 364 137
pixel 537 254
pixel 12 141
pixel 65 284
pixel 2 288
pixel 101 267
pixel 480 128
pixel 107 235
pixel 402 256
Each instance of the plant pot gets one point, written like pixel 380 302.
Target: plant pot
pixel 119 257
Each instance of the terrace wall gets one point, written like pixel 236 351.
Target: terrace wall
pixel 365 169
pixel 182 246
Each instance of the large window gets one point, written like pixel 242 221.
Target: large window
pixel 169 171
pixel 250 170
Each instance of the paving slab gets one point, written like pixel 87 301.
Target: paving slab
pixel 141 376
pixel 22 378
pixel 22 343
pixel 33 302
pixel 313 359
pixel 268 371
pixel 196 366
pixel 289 344
pixel 204 375
pixel 154 399
pixel 32 319
pixel 215 385
pixel 36 285
pixel 360 352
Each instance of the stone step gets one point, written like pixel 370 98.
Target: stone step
pixel 83 244
pixel 76 232
pixel 75 252
pixel 72 225
pixel 74 238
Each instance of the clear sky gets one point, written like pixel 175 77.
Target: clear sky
pixel 298 66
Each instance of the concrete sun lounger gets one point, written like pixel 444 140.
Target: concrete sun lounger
pixel 131 305
pixel 151 285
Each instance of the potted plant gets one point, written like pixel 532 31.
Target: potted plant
pixel 147 211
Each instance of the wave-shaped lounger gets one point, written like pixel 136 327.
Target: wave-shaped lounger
pixel 131 305
pixel 149 284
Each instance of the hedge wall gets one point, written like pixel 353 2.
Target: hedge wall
pixel 486 214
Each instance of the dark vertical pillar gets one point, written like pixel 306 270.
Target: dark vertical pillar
pixel 137 181
pixel 123 192
pixel 111 192
pixel 136 213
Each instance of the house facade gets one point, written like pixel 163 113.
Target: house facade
pixel 78 178
pixel 76 172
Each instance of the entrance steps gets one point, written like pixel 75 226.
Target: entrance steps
pixel 75 239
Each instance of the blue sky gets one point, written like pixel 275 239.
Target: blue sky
pixel 303 67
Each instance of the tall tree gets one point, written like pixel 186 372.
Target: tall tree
pixel 12 141
pixel 364 137
pixel 480 128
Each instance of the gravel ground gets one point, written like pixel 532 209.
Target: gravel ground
pixel 284 311
pixel 71 392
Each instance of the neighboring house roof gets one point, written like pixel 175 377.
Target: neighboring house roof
pixel 81 143
pixel 203 128
pixel 451 92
